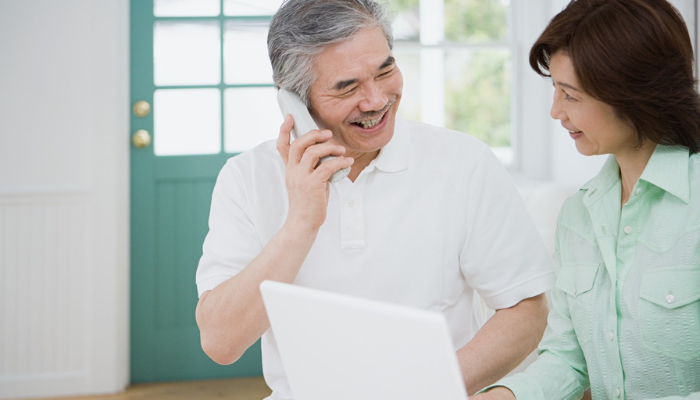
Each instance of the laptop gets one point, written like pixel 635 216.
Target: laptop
pixel 341 347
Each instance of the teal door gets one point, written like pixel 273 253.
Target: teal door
pixel 201 91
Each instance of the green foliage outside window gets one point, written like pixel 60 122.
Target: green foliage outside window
pixel 403 5
pixel 466 20
pixel 475 20
pixel 478 99
pixel 477 87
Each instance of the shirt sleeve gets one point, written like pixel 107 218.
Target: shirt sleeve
pixel 560 371
pixel 503 257
pixel 232 241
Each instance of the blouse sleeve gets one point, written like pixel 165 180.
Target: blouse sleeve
pixel 560 371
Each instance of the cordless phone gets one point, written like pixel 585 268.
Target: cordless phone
pixel 290 103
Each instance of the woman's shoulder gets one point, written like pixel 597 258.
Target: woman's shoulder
pixel 694 177
pixel 694 166
pixel 573 207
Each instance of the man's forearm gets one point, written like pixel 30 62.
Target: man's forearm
pixel 503 343
pixel 232 316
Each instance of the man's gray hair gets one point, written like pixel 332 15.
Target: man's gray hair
pixel 301 29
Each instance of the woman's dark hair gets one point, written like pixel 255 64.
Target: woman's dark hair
pixel 634 55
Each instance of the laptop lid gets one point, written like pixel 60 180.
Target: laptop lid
pixel 341 347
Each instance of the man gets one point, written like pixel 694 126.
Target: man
pixel 425 218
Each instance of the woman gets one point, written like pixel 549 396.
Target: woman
pixel 626 306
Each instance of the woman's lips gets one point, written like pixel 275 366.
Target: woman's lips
pixel 575 134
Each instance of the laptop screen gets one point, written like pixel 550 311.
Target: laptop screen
pixel 341 347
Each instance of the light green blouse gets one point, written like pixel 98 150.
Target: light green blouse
pixel 626 303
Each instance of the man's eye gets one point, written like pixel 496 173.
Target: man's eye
pixel 349 91
pixel 386 73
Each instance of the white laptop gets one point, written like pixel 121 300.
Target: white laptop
pixel 339 347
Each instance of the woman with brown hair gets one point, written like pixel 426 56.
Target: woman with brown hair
pixel 625 320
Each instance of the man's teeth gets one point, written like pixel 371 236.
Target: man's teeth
pixel 370 123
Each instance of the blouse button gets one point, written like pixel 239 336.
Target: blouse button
pixel 618 392
pixel 638 191
pixel 628 229
pixel 611 335
pixel 351 203
pixel 670 298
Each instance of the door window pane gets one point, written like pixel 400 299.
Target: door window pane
pixel 250 7
pixel 187 121
pixel 186 8
pixel 186 53
pixel 252 116
pixel 245 53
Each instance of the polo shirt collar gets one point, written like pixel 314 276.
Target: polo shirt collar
pixel 395 155
pixel 667 169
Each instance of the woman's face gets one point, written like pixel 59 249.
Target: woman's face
pixel 594 125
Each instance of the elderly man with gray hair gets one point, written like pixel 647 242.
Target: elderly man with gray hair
pixel 427 217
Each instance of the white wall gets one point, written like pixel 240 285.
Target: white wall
pixel 63 197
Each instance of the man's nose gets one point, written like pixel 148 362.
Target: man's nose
pixel 373 99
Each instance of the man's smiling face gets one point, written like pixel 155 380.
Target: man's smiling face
pixel 357 92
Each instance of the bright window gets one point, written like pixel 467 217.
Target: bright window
pixel 464 64
pixel 456 56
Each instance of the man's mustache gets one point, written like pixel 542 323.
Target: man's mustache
pixel 374 114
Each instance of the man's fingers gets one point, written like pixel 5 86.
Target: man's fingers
pixel 305 142
pixel 284 137
pixel 328 167
pixel 313 154
pixel 305 152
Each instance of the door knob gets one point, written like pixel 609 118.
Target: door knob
pixel 141 108
pixel 141 138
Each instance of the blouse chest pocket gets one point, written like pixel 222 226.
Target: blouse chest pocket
pixel 669 311
pixel 577 280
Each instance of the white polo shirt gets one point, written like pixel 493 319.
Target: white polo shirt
pixel 432 220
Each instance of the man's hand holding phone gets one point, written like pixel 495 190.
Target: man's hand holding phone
pixel 307 177
pixel 290 103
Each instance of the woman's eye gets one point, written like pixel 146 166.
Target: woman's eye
pixel 567 97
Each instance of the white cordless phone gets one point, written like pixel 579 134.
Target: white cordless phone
pixel 290 103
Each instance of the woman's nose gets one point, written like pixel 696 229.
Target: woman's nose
pixel 557 112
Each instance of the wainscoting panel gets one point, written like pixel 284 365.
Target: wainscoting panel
pixel 45 268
